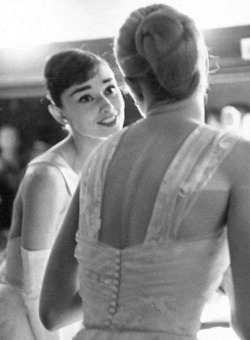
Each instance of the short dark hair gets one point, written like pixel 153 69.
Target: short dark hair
pixel 67 68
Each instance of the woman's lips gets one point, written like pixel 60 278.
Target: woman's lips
pixel 109 121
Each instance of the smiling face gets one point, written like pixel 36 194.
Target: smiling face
pixel 95 107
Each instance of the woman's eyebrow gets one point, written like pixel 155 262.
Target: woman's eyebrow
pixel 107 80
pixel 79 89
pixel 87 87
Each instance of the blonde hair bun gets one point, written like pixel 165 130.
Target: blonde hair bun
pixel 160 40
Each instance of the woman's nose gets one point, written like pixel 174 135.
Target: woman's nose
pixel 106 105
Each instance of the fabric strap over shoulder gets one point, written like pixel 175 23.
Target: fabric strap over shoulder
pixel 193 167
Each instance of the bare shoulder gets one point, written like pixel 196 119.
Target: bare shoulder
pixel 43 176
pixel 237 164
pixel 44 197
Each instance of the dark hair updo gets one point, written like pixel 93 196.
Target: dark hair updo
pixel 67 68
pixel 159 43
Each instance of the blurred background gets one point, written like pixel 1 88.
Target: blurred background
pixel 31 30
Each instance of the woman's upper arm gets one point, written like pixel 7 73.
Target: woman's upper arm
pixel 58 303
pixel 62 254
pixel 238 222
pixel 44 196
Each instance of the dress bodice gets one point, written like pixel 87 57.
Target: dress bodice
pixel 157 289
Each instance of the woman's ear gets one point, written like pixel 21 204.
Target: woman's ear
pixel 56 113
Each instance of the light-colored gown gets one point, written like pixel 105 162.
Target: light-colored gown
pixel 155 290
pixel 20 288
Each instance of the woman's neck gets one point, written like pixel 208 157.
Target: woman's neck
pixel 191 108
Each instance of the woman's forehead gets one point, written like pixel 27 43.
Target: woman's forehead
pixel 104 70
pixel 102 75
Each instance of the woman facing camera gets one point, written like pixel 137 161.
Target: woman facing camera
pixel 84 97
pixel 163 205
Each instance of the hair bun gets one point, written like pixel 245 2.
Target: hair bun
pixel 166 40
pixel 154 30
pixel 164 45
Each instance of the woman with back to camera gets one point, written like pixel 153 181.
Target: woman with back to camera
pixel 84 96
pixel 163 205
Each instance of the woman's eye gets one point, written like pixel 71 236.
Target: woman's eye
pixel 110 90
pixel 86 98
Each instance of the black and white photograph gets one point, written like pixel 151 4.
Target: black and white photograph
pixel 124 170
